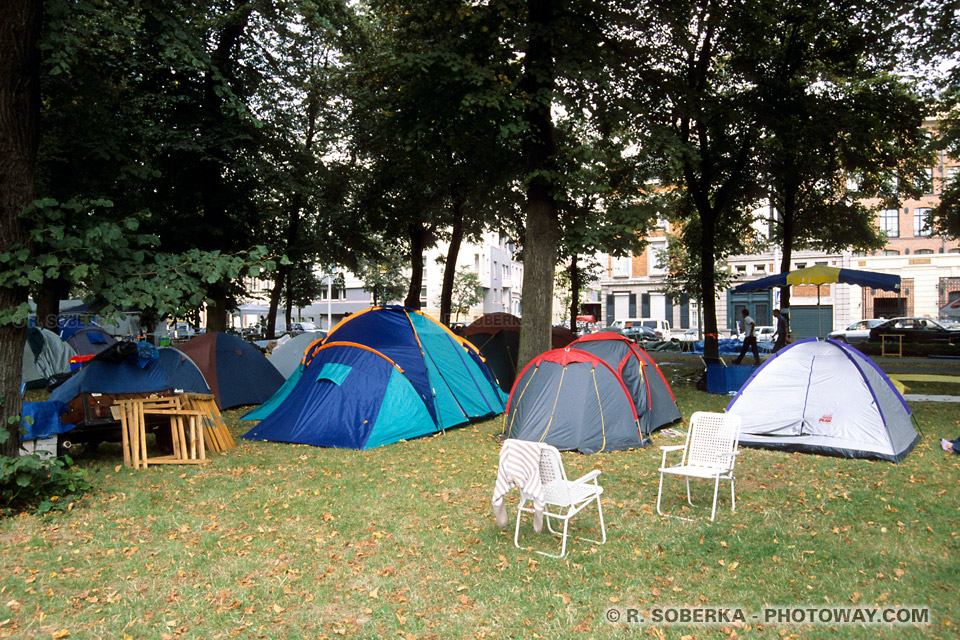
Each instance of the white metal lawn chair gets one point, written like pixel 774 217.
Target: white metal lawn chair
pixel 710 453
pixel 563 498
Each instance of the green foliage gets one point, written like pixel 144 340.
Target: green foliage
pixel 123 268
pixel 383 275
pixel 467 291
pixel 30 482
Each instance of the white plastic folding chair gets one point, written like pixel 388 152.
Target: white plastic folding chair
pixel 710 453
pixel 563 498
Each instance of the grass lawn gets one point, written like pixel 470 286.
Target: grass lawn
pixel 284 541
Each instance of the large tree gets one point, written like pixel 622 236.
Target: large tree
pixel 834 113
pixel 705 128
pixel 428 93
pixel 20 23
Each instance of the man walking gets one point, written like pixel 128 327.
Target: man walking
pixel 750 340
pixel 781 331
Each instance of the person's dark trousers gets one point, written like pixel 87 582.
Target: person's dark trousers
pixel 748 343
pixel 780 343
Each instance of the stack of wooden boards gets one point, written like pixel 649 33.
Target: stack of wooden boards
pixel 195 427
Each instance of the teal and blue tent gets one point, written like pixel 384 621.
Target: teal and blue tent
pixel 382 375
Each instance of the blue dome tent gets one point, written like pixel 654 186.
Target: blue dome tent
pixel 382 375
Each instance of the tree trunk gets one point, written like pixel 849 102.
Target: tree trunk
pixel 275 294
pixel 574 292
pixel 418 240
pixel 48 298
pixel 542 228
pixel 288 308
pixel 711 335
pixel 20 22
pixel 217 311
pixel 788 213
pixel 450 266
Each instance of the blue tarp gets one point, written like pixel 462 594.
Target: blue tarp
pixel 44 419
pixel 171 370
pixel 730 346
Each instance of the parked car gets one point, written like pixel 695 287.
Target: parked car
pixel 915 330
pixel 855 333
pixel 765 333
pixel 302 327
pixel 639 333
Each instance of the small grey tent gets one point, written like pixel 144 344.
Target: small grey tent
pixel 44 354
pixel 573 400
pixel 649 389
pixel 827 398
pixel 288 356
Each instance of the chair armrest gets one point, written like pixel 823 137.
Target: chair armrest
pixel 674 447
pixel 729 454
pixel 586 478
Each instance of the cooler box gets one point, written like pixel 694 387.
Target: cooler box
pixel 727 379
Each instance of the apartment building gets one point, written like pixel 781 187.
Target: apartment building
pixel 928 264
pixel 493 259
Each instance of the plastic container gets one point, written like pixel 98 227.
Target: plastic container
pixel 726 379
pixel 78 361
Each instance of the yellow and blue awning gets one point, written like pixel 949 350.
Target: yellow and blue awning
pixel 821 274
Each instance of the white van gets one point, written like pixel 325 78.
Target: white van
pixel 660 327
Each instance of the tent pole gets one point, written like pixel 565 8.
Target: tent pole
pixel 819 322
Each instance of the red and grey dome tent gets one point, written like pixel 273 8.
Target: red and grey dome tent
pixel 652 396
pixel 497 337
pixel 238 374
pixel 573 400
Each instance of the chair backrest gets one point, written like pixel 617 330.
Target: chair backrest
pixel 712 435
pixel 553 477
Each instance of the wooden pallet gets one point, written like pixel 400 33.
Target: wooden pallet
pixel 186 431
pixel 215 432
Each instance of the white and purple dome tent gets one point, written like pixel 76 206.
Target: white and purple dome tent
pixel 824 397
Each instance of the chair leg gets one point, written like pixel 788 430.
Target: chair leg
pixel 516 532
pixel 689 500
pixel 716 489
pixel 733 496
pixel 667 515
pixel 563 542
pixel 603 529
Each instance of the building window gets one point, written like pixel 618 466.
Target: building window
pixel 926 180
pixel 921 222
pixel 423 293
pixel 654 255
pixel 954 251
pixel 890 222
pixel 621 266
pixel 890 252
pixel 801 265
pixel 476 262
pixel 336 293
pixel 741 268
pixel 821 264
pixel 922 252
pixel 760 268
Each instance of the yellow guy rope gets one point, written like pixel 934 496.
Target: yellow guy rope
pixel 603 426
pixel 553 410
pixel 514 415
